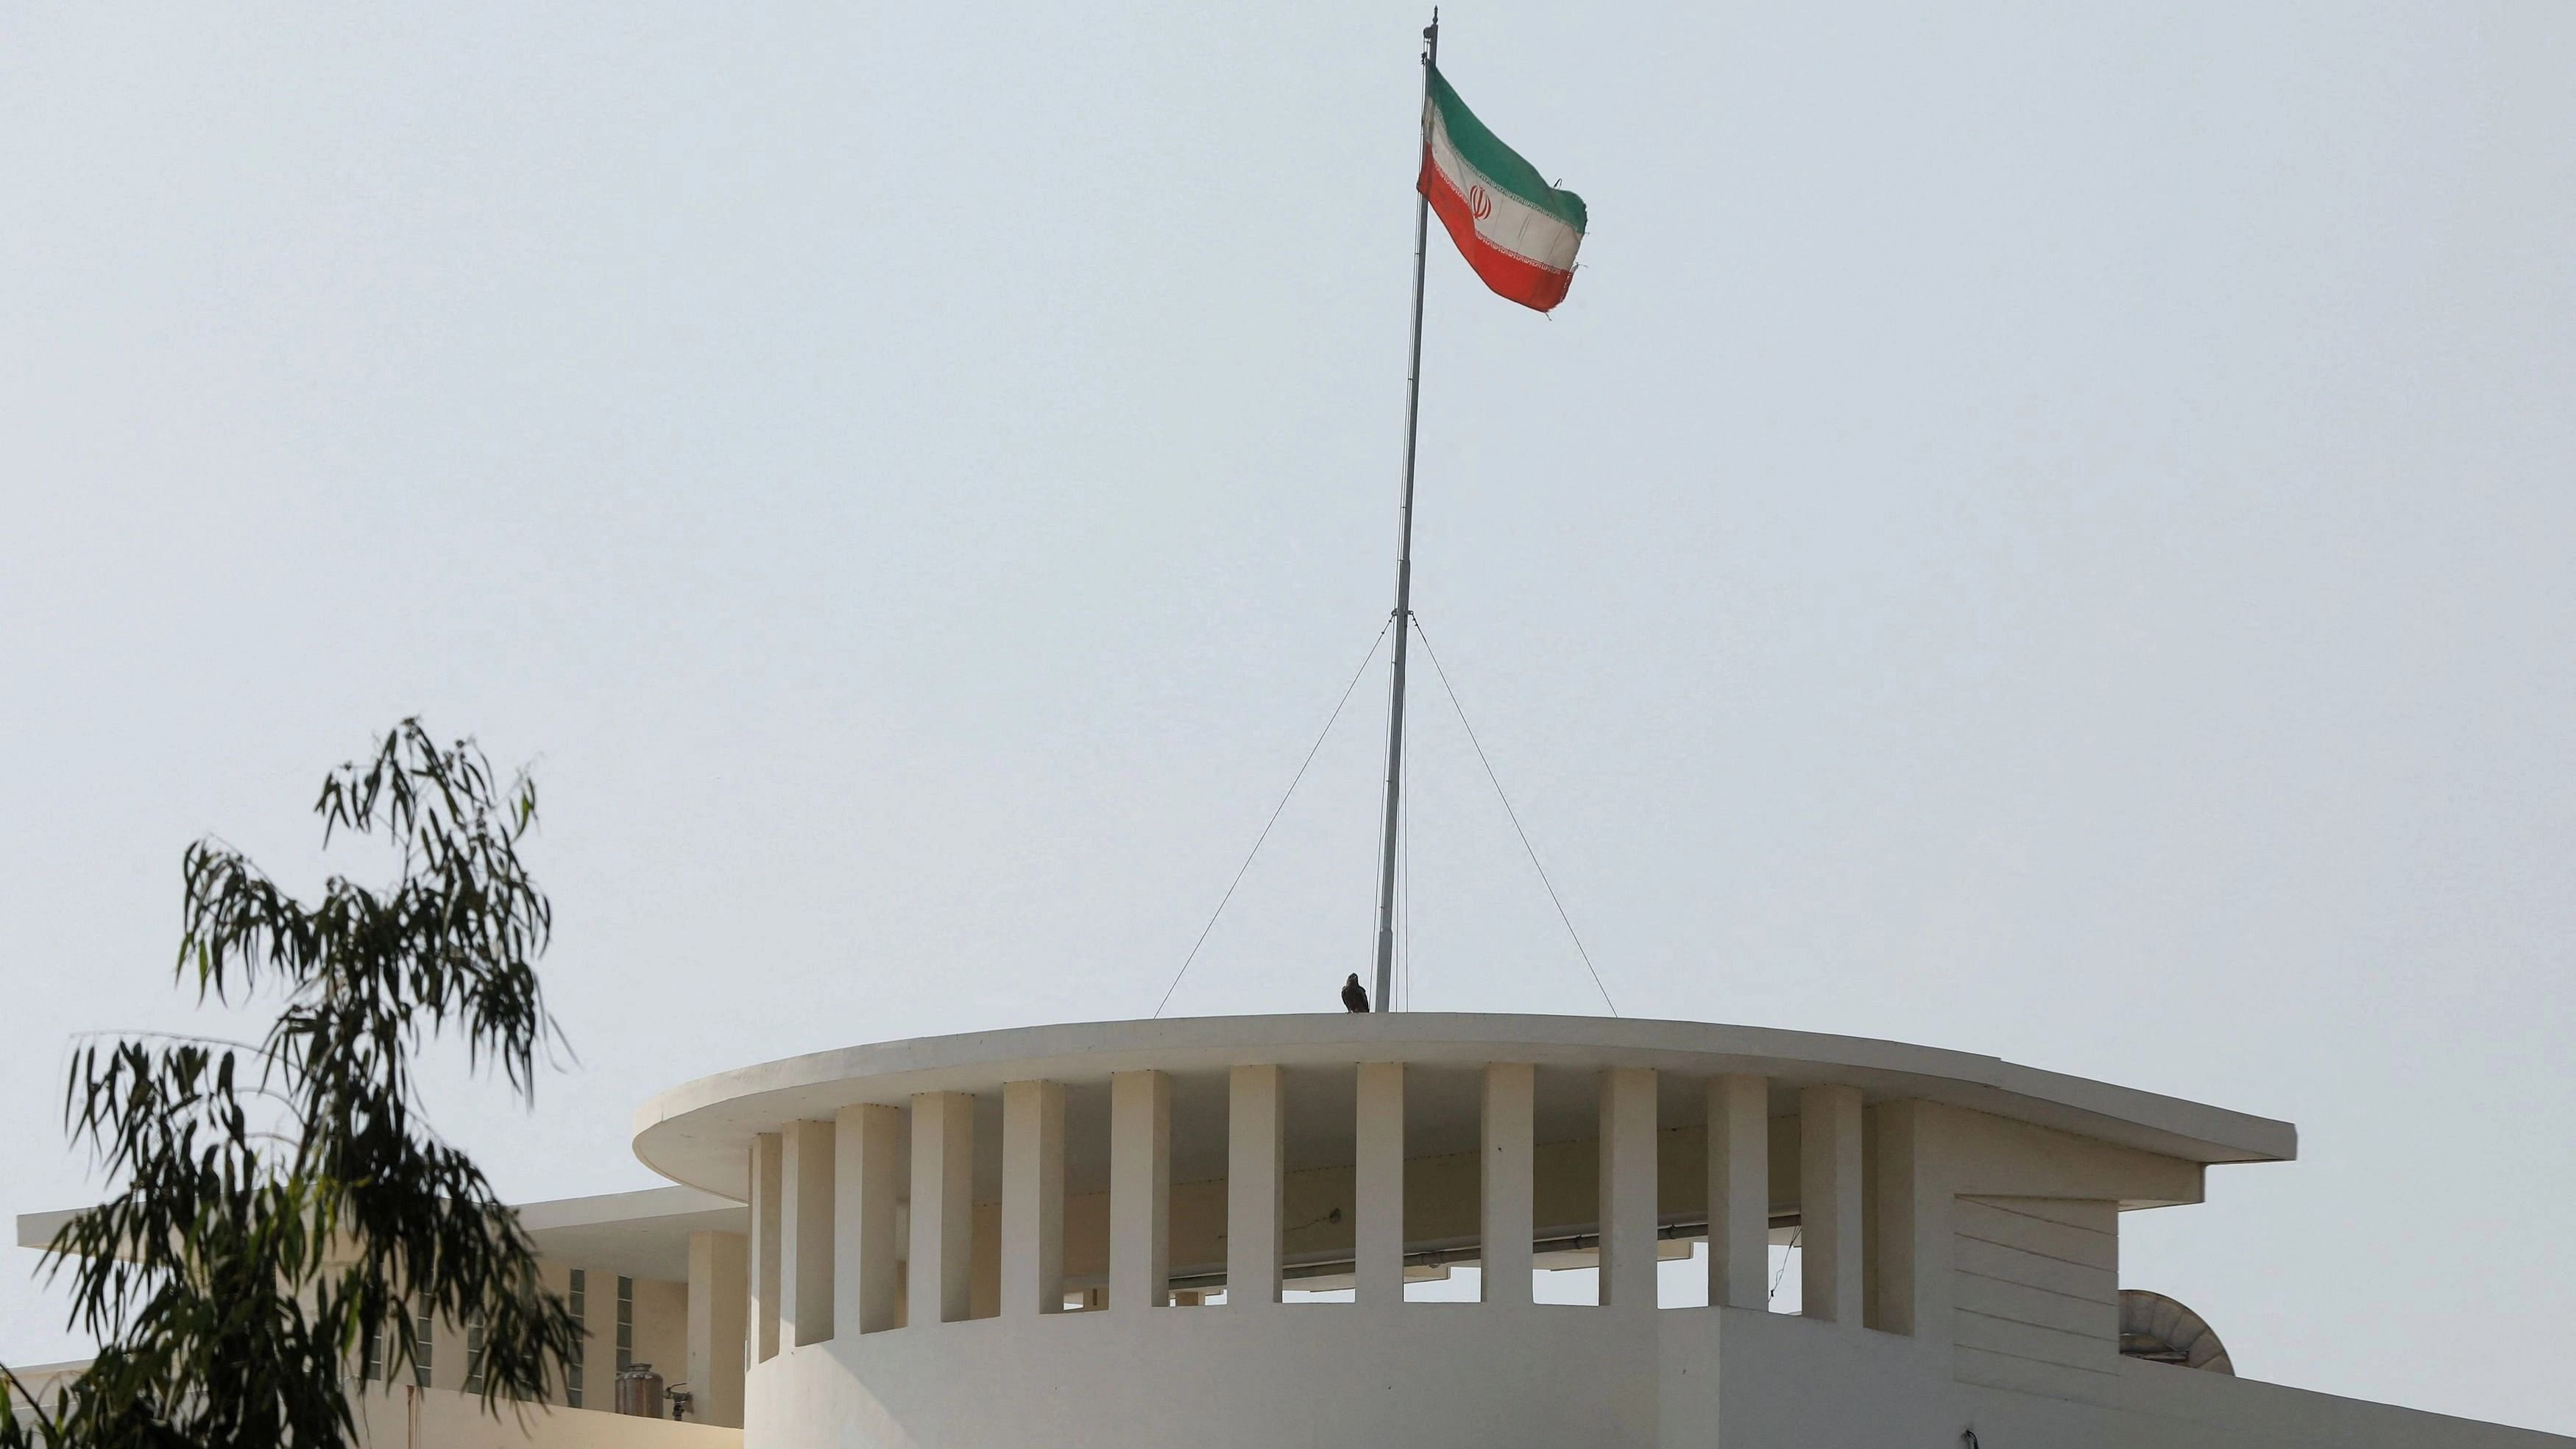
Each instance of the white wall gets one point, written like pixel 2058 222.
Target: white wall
pixel 1469 1376
pixel 1426 1376
pixel 661 1328
pixel 410 1418
pixel 2035 1294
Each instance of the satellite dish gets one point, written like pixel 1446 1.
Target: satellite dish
pixel 2161 1330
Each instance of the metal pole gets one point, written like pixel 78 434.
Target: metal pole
pixel 1382 1000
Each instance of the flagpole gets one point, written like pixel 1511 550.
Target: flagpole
pixel 1383 999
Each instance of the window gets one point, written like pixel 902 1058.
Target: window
pixel 572 1373
pixel 420 1347
pixel 625 1323
pixel 474 1354
pixel 371 1361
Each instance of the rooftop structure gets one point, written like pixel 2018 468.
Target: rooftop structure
pixel 1340 1229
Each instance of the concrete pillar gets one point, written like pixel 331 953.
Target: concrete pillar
pixel 1032 1198
pixel 1509 1194
pixel 805 1233
pixel 1900 1258
pixel 1140 1190
pixel 1628 1187
pixel 867 1161
pixel 943 1208
pixel 1830 1204
pixel 1739 1192
pixel 1255 1165
pixel 766 1151
pixel 1377 1189
pixel 719 1294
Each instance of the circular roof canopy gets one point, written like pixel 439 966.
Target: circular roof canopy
pixel 700 1133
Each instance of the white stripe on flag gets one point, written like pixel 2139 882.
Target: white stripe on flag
pixel 1509 222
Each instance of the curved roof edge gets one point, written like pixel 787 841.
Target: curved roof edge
pixel 697 1133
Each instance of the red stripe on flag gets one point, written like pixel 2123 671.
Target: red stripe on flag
pixel 1517 277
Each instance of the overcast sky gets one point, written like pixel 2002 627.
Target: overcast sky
pixel 2042 530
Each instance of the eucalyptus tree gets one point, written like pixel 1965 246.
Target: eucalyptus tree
pixel 281 1208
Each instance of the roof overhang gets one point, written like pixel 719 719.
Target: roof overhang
pixel 699 1133
pixel 641 1234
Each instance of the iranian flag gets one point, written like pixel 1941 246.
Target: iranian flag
pixel 1518 232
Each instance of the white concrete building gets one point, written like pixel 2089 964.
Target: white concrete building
pixel 1108 1235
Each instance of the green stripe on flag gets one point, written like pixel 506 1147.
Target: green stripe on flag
pixel 1500 164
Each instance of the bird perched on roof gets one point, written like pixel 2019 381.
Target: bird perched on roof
pixel 1354 995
